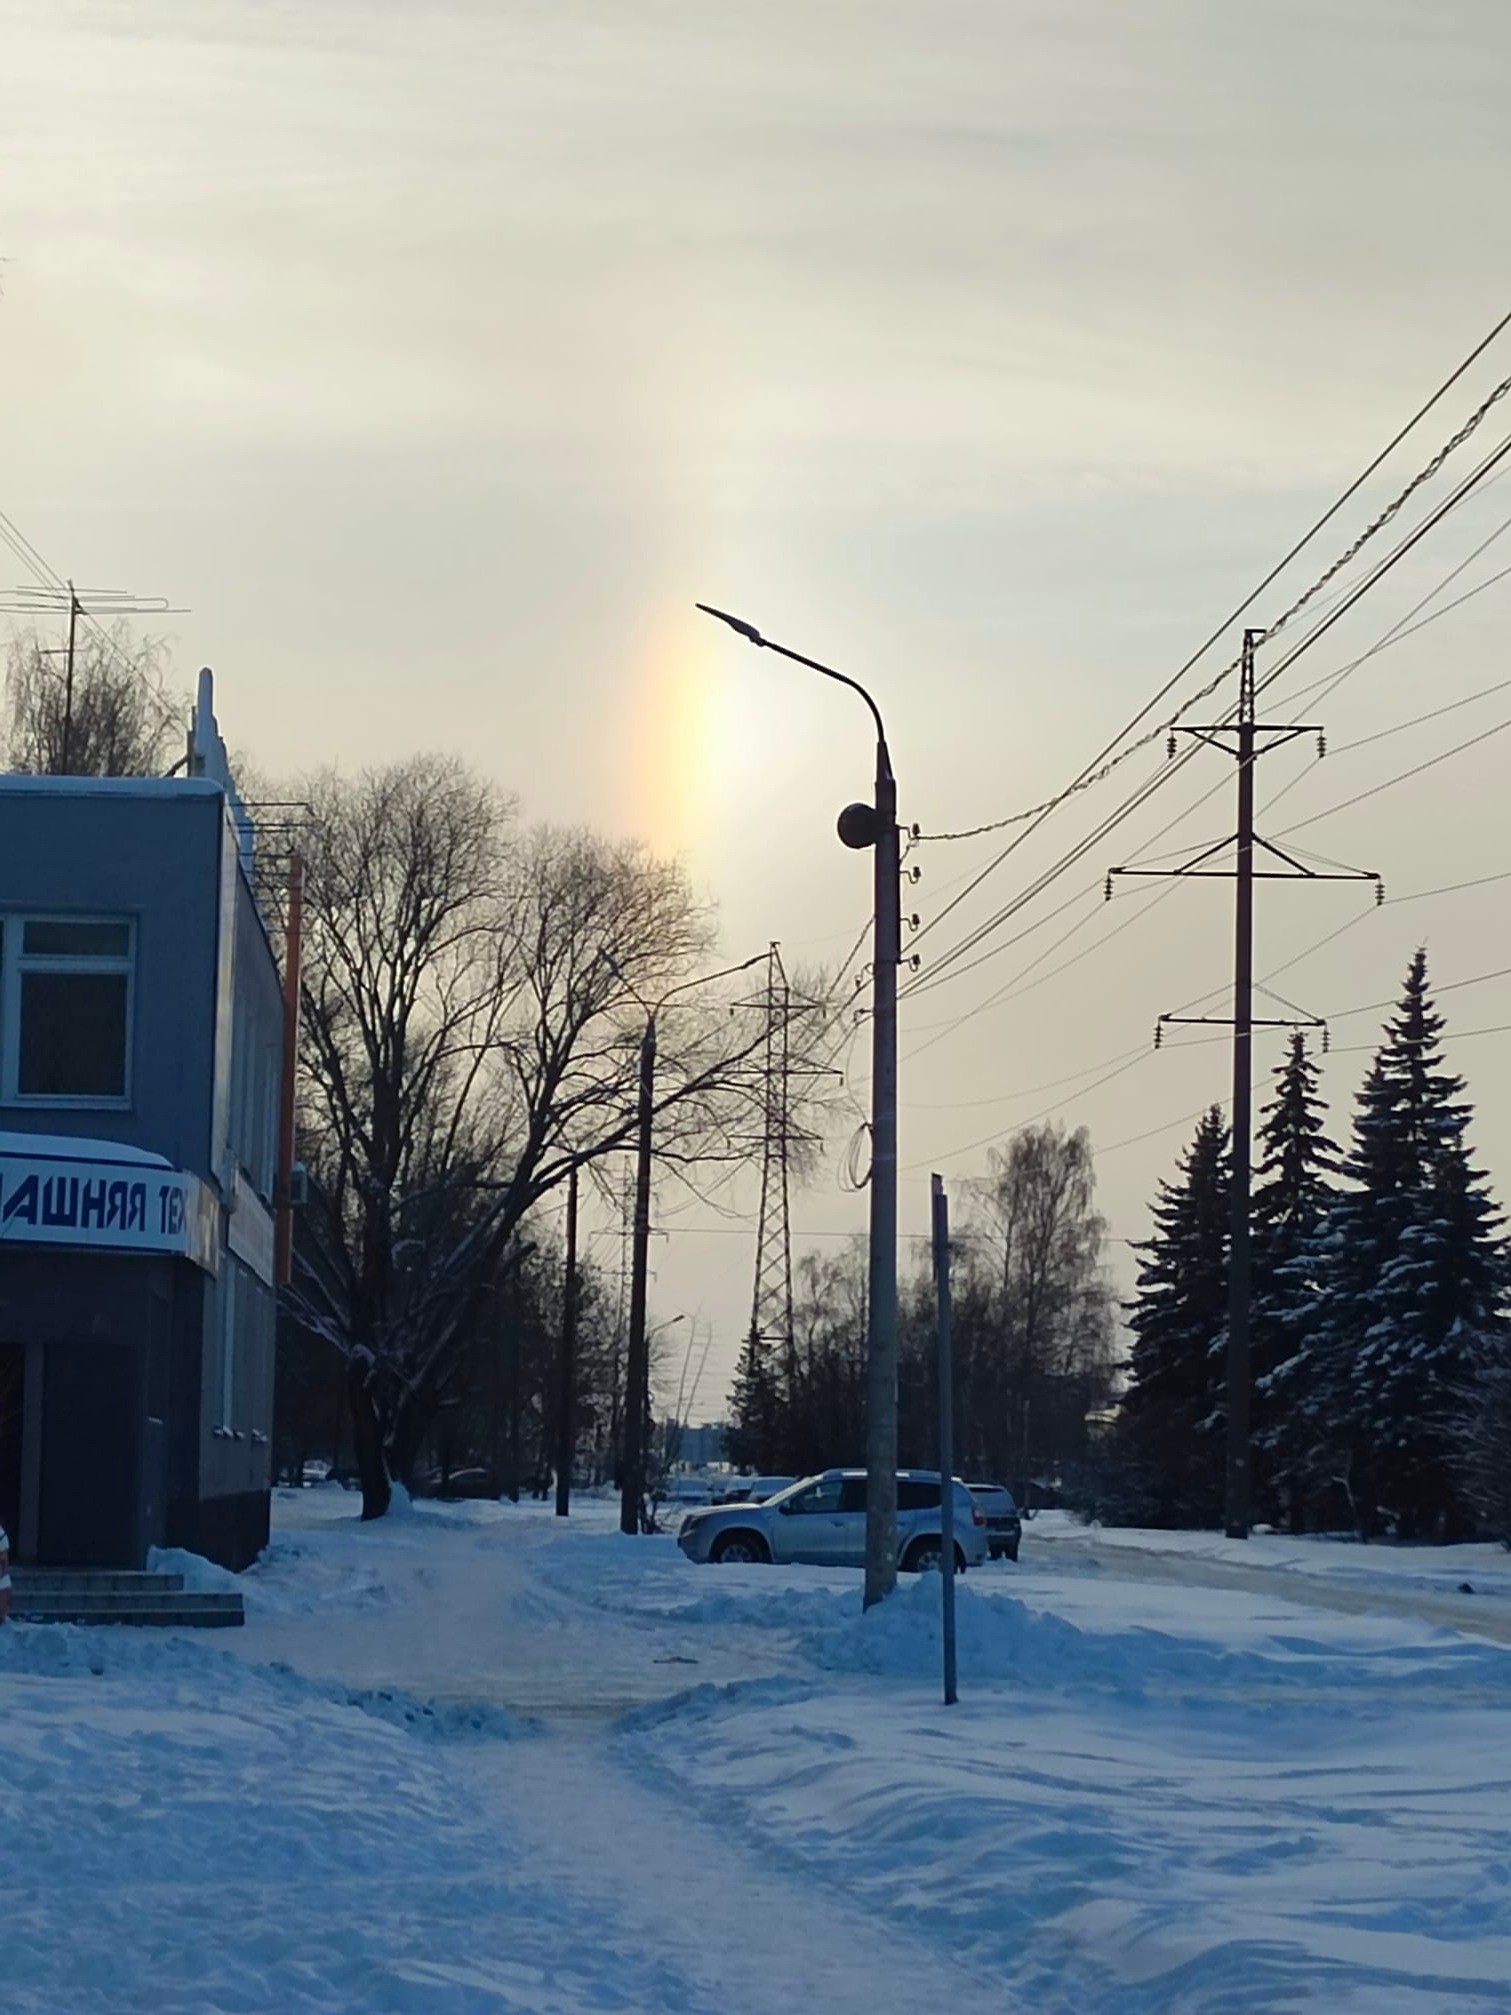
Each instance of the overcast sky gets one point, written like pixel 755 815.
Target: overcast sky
pixel 440 357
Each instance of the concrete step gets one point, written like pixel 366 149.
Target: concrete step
pixel 93 1581
pixel 164 1607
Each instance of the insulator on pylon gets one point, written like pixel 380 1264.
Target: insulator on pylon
pixel 1379 893
pixel 1327 1036
pixel 914 921
pixel 1107 890
pixel 1170 743
pixel 916 831
pixel 916 961
pixel 915 874
pixel 1321 744
pixel 1159 1034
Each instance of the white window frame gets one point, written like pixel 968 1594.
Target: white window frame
pixel 16 962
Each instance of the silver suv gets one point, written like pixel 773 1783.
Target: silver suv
pixel 822 1521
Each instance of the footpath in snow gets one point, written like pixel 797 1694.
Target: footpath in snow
pixel 468 1761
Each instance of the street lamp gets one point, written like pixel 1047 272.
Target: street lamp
pixel 874 826
pixel 637 1365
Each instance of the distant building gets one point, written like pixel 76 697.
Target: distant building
pixel 141 1026
pixel 699 1447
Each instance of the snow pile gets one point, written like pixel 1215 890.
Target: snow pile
pixel 1005 1638
pixel 1132 1855
pixel 200 1575
pixel 181 1669
pixel 181 1833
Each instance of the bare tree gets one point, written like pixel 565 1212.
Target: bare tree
pixel 117 718
pixel 1482 1441
pixel 473 999
pixel 1036 1209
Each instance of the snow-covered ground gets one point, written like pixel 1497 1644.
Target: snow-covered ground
pixel 468 1760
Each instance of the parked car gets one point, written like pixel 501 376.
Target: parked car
pixel 822 1521
pixel 750 1489
pixel 689 1490
pixel 4 1574
pixel 1004 1528
pixel 471 1482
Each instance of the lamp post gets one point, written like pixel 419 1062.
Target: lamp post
pixel 637 1365
pixel 873 826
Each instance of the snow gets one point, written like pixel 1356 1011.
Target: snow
pixel 469 1760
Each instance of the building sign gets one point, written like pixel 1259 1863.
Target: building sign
pixel 111 1206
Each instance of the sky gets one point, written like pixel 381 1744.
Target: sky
pixel 437 359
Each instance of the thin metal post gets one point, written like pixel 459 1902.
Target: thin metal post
pixel 73 622
pixel 283 1223
pixel 1238 1494
pixel 881 1322
pixel 946 1433
pixel 637 1353
pixel 566 1395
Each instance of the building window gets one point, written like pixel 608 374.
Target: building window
pixel 67 1009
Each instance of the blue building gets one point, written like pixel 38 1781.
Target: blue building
pixel 141 1046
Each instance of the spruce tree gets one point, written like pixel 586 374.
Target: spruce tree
pixel 756 1412
pixel 1411 1271
pixel 1294 1188
pixel 1171 1418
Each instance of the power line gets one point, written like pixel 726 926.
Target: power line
pixel 990 1139
pixel 1347 1049
pixel 49 577
pixel 1027 1091
pixel 1377 573
pixel 1402 777
pixel 1093 773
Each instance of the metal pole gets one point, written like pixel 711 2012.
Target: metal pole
pixel 566 1398
pixel 1237 1508
pixel 283 1227
pixel 881 1322
pixel 73 619
pixel 637 1355
pixel 946 1434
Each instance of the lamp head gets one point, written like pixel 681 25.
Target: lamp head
pixel 858 826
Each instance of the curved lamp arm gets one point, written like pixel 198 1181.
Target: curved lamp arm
pixel 752 635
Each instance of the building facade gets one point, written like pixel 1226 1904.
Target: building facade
pixel 141 1040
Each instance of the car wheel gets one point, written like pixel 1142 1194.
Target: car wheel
pixel 740 1549
pixel 922 1557
pixel 1011 1552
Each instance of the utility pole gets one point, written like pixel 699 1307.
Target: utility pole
pixel 1238 1505
pixel 73 631
pixel 881 1325
pixel 283 1223
pixel 566 1394
pixel 941 1229
pixel 43 600
pixel 637 1355
pixel 1246 739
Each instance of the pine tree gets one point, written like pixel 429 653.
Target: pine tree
pixel 1170 1422
pixel 756 1410
pixel 1291 1196
pixel 1411 1271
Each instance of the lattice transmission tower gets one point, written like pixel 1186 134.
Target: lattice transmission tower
pixel 770 1336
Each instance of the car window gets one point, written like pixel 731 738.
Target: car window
pixel 915 1496
pixel 852 1496
pixel 821 1496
